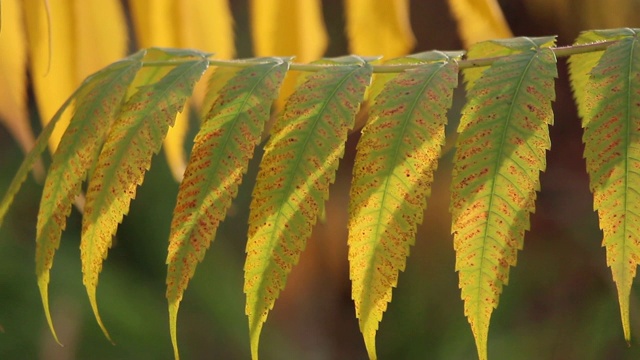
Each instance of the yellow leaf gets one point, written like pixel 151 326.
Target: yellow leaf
pixel 206 25
pixel 153 23
pixel 59 65
pixel 97 22
pixel 13 76
pixel 174 145
pixel 200 24
pixel 479 20
pixel 52 69
pixel 287 28
pixel 379 27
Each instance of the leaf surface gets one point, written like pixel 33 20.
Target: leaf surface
pixel 396 157
pixel 612 152
pixel 501 148
pixel 220 157
pixel 497 48
pixel 135 136
pixel 580 66
pixel 298 166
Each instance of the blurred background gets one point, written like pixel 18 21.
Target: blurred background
pixel 560 304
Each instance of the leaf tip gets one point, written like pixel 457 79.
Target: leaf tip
pixel 173 320
pixel 480 331
pixel 43 284
pixel 255 327
pixel 624 315
pixel 94 306
pixel 370 343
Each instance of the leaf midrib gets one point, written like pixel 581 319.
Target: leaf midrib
pixel 499 160
pixel 390 170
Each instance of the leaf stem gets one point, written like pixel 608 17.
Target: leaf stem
pixel 560 51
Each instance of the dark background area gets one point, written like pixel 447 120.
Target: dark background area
pixel 561 302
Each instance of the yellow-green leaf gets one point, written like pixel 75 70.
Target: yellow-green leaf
pixel 381 79
pixel 612 151
pixel 580 66
pixel 501 149
pixel 479 20
pixel 220 157
pixel 97 103
pixel 492 48
pixel 397 155
pixel 299 164
pixel 126 155
pixel 379 27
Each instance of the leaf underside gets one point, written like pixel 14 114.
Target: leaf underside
pixel 220 157
pixel 393 171
pixel 298 166
pixel 501 149
pixel 135 136
pixel 611 121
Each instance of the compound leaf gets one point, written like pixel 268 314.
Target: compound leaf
pixel 220 157
pixel 500 151
pixel 97 105
pixel 135 136
pixel 299 164
pixel 396 157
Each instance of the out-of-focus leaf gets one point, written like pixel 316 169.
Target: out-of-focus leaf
pixel 51 55
pixel 13 77
pixel 288 28
pixel 199 24
pixel 379 27
pixel 479 20
pixel 60 61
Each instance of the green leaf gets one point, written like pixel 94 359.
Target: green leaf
pixel 502 47
pixel 393 171
pixel 381 79
pixel 135 136
pixel 500 151
pixel 220 157
pixel 612 151
pixel 299 164
pixel 580 66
